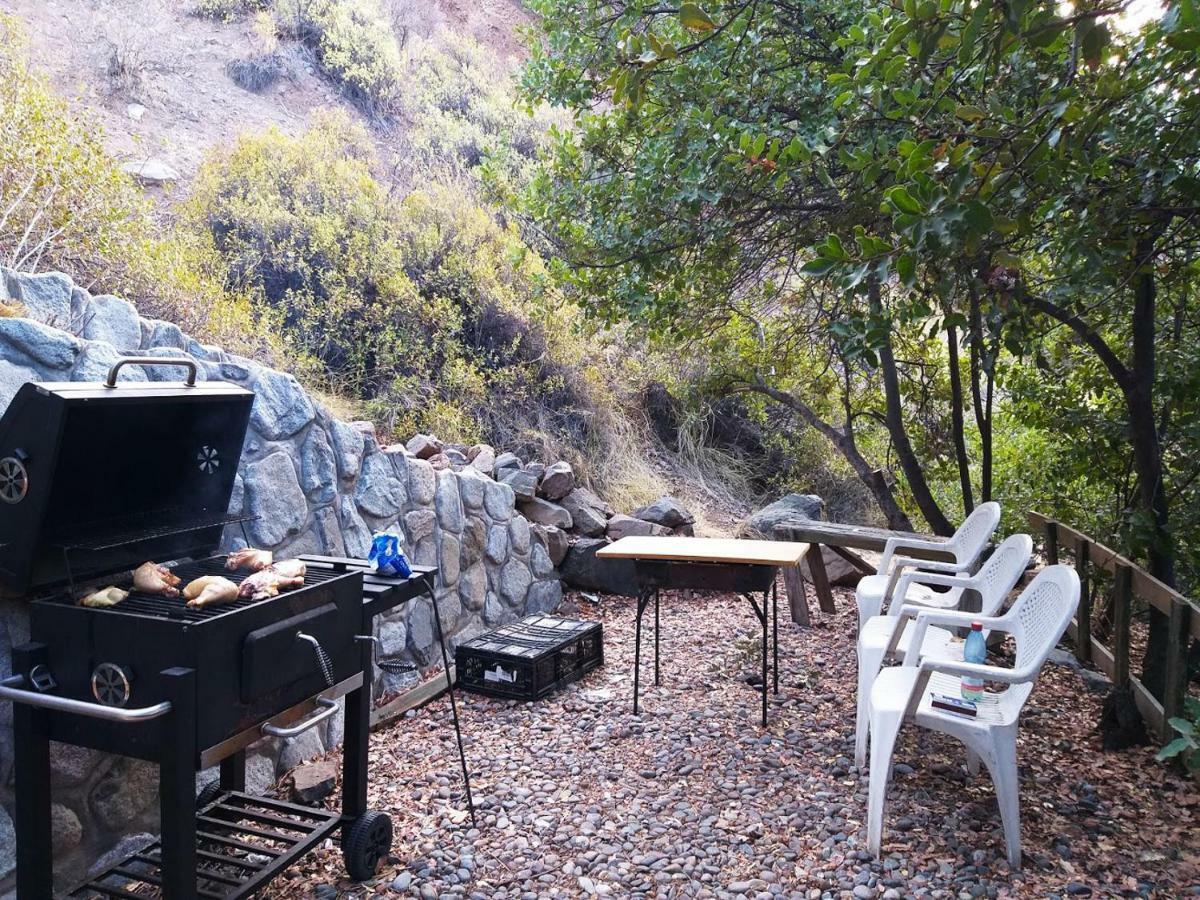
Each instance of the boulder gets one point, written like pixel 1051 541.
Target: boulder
pixel 123 849
pixel 506 462
pixel 449 558
pixel 166 372
pixel 318 467
pixel 523 484
pixel 495 612
pixel 151 170
pixel 448 503
pixel 420 624
pixel 543 512
pixel 114 321
pixel 582 569
pixel 328 531
pixel 665 511
pixel 66 832
pixel 300 749
pixel 12 378
pixel 497 544
pixel 472 587
pixel 539 561
pixel 313 782
pixel 281 408
pixel 472 485
pixel 557 481
pixel 514 582
pixel 118 797
pixel 483 458
pixel 260 774
pixel 367 430
pixel 422 481
pixel 26 342
pixel 620 526
pixel 555 541
pixel 355 533
pixel 348 448
pixel 379 492
pixel 536 469
pixel 589 514
pixel 457 458
pixel 8 844
pixel 761 524
pixel 97 359
pixel 518 534
pixel 543 597
pixel 474 539
pixel 273 494
pixel 47 296
pixel 440 462
pixel 418 525
pixel 498 500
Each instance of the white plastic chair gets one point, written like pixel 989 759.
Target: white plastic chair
pixel 1036 620
pixel 964 546
pixel 887 637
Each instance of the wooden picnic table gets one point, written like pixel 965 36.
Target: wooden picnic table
pixel 744 567
pixel 843 540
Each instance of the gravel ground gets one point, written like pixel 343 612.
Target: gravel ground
pixel 577 796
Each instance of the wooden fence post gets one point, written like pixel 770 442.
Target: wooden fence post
pixel 1083 634
pixel 1175 682
pixel 1052 543
pixel 1122 602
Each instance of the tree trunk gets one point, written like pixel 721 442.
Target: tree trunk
pixel 909 464
pixel 956 422
pixel 982 408
pixel 874 480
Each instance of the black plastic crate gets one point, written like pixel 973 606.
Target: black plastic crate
pixel 526 660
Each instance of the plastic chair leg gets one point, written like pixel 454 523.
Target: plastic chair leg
pixel 884 728
pixel 869 662
pixel 1008 794
pixel 972 762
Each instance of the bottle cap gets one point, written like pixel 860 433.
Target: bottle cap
pixel 977 626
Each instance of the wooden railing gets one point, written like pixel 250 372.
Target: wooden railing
pixel 1129 583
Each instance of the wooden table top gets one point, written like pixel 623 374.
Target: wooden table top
pixel 707 550
pixel 857 537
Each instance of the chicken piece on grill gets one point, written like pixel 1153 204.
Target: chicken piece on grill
pixel 104 598
pixel 268 583
pixel 289 568
pixel 209 590
pixel 151 578
pixel 249 558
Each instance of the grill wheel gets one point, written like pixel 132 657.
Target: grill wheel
pixel 368 840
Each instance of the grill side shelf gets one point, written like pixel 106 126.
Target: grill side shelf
pixel 381 593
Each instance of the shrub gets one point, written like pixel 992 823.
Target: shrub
pixel 228 10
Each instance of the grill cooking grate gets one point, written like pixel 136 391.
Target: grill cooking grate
pixel 241 843
pixel 176 608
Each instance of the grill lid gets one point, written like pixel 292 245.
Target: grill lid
pixel 96 478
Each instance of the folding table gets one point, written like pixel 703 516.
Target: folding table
pixel 742 567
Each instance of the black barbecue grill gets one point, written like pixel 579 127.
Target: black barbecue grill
pixel 94 480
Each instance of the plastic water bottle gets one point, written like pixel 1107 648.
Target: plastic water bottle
pixel 974 651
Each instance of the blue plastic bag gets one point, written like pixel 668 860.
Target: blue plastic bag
pixel 387 556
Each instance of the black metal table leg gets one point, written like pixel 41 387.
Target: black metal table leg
pixel 657 676
pixel 233 772
pixel 462 754
pixel 765 628
pixel 31 771
pixel 775 631
pixel 642 600
pixel 177 787
pixel 356 740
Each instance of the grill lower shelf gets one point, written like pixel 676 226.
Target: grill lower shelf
pixel 242 842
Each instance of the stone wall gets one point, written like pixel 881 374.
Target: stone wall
pixel 318 485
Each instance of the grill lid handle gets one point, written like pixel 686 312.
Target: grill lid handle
pixel 186 361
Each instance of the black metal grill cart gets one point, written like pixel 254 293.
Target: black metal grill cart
pixel 95 479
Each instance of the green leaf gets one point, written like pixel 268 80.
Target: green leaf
pixel 819 266
pixel 978 218
pixel 692 17
pixel 1184 40
pixel 903 200
pixel 906 268
pixel 969 113
pixel 1093 40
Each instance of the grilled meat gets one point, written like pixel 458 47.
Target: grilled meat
pixel 151 578
pixel 289 568
pixel 209 590
pixel 268 583
pixel 104 598
pixel 250 559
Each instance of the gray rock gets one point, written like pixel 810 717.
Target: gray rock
pixel 398 457
pixel 335 728
pixel 97 359
pixel 497 544
pixel 555 541
pixel 838 570
pixel 260 774
pixel 354 530
pixel 124 848
pixel 348 446
pixel 12 378
pixel 423 446
pixel 544 597
pixel 47 297
pixel 127 789
pixel 518 534
pixel 449 552
pixel 457 458
pixel 495 612
pixel 308 542
pixel 379 492
pixel 71 765
pixel 543 512
pixel 474 540
pixel 448 503
pixel 418 525
pixel 273 495
pixel 581 569
pixel 281 408
pixel 557 481
pixel 482 458
pixel 514 581
pixel 665 511
pixel 329 531
pixel 301 748
pixel 420 624
pixel 505 462
pixel 204 352
pixel 536 469
pixel 589 514
pixel 472 587
pixel 761 524
pixel 232 371
pixel 318 467
pixel 162 335
pixel 26 342
pixel 8 844
pixel 114 321
pixel 66 832
pixel 393 637
pixel 620 526
pixel 498 500
pixel 313 782
pixel 523 484
pixel 165 372
pixel 422 482
pixel 472 487
pixel 151 170
pixel 539 561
